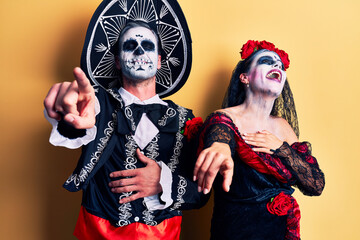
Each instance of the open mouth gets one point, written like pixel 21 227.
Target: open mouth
pixel 274 75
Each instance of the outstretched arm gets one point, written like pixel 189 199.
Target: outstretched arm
pixel 216 158
pixel 72 101
pixel 217 142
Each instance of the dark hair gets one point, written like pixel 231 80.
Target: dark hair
pixel 236 92
pixel 284 105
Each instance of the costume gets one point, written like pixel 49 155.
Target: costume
pixel 114 149
pixel 124 123
pixel 259 205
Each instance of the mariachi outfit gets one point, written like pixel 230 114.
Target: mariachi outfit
pixel 122 126
pixel 114 149
pixel 259 204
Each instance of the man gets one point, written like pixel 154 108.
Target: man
pixel 126 129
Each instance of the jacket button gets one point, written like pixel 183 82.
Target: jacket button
pixel 136 219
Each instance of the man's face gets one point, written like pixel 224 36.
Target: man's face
pixel 139 58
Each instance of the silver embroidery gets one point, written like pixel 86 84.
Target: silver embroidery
pixel 153 148
pixel 174 160
pixel 152 152
pixel 170 112
pixel 116 95
pixel 129 115
pixel 124 212
pixel 130 149
pixel 86 170
pixel 148 216
pixel 130 163
pixel 181 191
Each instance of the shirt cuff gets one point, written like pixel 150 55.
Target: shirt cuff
pixel 152 202
pixel 57 139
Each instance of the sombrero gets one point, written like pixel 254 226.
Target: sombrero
pixel 165 17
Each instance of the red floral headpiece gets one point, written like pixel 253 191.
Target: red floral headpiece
pixel 253 46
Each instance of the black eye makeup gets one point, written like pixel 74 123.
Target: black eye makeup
pixel 269 61
pixel 130 45
pixel 148 45
pixel 266 60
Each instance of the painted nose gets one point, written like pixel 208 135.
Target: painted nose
pixel 139 51
pixel 278 64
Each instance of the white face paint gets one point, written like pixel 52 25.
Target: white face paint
pixel 266 73
pixel 138 54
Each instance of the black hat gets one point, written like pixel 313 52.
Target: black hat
pixel 165 17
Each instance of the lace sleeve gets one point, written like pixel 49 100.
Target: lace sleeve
pixel 219 133
pixel 304 167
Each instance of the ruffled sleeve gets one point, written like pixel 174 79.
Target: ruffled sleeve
pixel 304 167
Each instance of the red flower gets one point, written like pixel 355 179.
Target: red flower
pixel 252 46
pixel 248 48
pixel 192 127
pixel 301 147
pixel 266 45
pixel 280 205
pixel 284 58
pixel 310 159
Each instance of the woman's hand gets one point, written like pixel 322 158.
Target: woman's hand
pixel 216 158
pixel 263 141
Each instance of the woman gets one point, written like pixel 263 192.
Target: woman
pixel 259 124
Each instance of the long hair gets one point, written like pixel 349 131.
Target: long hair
pixel 284 105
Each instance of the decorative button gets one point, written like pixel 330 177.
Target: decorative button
pixel 136 219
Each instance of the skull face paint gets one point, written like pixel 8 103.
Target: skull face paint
pixel 266 73
pixel 138 53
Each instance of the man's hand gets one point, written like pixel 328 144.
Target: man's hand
pixel 263 141
pixel 144 181
pixel 75 101
pixel 216 158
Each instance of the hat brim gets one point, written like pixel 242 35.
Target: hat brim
pixel 167 20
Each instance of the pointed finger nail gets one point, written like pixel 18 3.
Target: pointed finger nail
pixel 206 191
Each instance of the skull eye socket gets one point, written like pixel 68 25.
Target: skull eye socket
pixel 130 45
pixel 148 45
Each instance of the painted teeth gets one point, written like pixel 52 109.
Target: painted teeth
pixel 139 61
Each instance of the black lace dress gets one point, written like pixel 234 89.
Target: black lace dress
pixel 259 204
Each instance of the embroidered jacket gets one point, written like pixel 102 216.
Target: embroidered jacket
pixel 114 149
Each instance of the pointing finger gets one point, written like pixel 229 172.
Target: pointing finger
pixel 83 82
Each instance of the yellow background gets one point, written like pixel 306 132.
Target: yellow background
pixel 41 41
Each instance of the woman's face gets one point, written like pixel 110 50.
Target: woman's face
pixel 266 74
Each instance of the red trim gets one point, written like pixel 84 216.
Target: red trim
pixel 91 227
pixel 244 151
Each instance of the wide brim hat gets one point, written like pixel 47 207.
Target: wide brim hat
pixel 165 17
